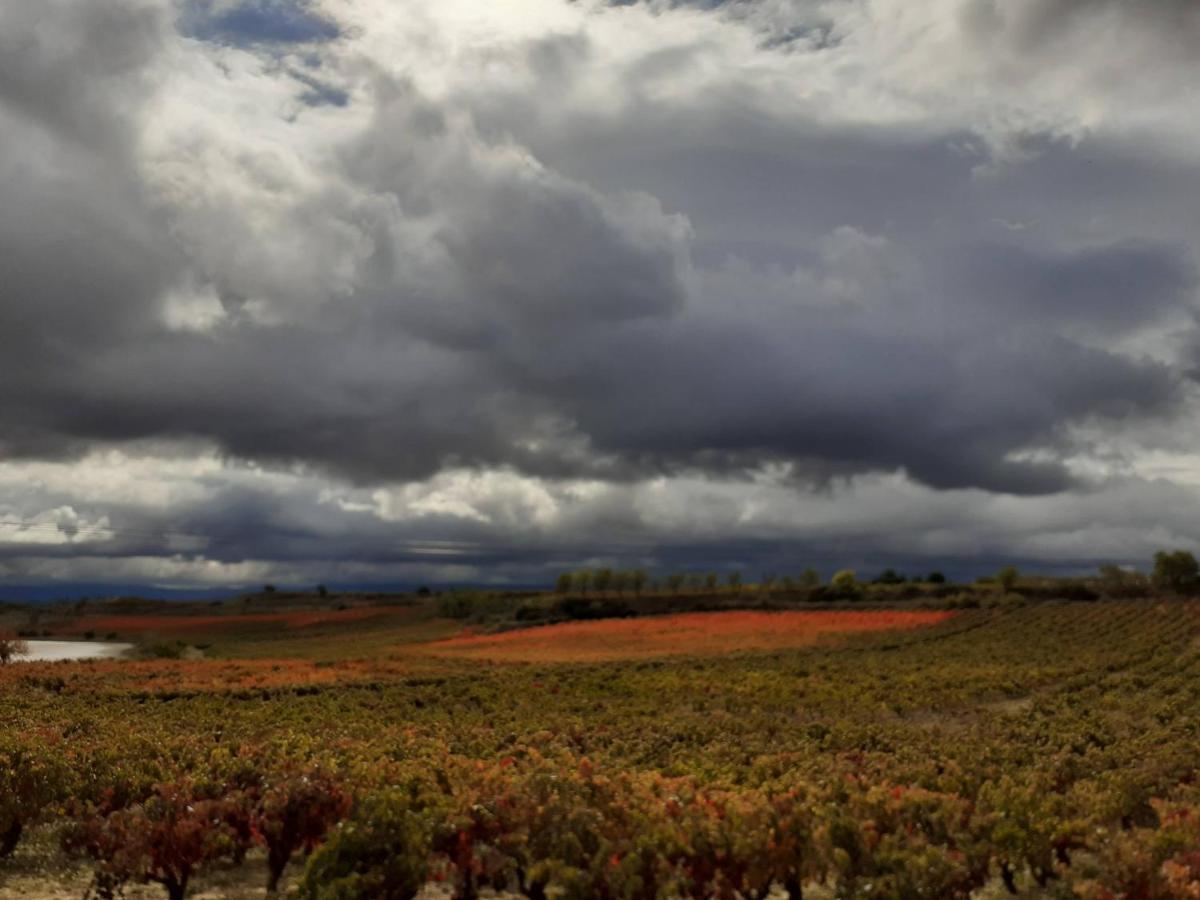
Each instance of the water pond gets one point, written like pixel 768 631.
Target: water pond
pixel 48 651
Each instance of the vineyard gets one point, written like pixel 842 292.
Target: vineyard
pixel 1045 750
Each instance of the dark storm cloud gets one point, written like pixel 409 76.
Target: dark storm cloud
pixel 505 275
pixel 1110 289
pixel 561 330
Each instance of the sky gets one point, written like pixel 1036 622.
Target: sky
pixel 396 292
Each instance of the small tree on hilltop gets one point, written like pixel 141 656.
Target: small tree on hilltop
pixel 582 580
pixel 11 646
pixel 1007 578
pixel 1175 571
pixel 602 579
pixel 845 580
pixel 637 580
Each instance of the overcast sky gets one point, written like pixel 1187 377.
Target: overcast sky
pixel 365 291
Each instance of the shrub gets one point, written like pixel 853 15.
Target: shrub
pixel 34 775
pixel 295 811
pixel 381 852
pixel 166 839
pixel 844 580
pixel 1175 571
pixel 1007 578
pixel 11 646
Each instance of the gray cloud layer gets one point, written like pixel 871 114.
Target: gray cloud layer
pixel 631 243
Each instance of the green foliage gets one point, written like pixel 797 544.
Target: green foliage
pixel 381 852
pixel 34 776
pixel 602 579
pixel 1007 578
pixel 478 605
pixel 637 580
pixel 1175 571
pixel 845 580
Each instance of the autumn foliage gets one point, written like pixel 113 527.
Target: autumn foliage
pixel 682 634
pixel 1048 749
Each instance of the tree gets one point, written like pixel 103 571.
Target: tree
pixel 322 591
pixel 34 776
pixel 382 852
pixel 637 580
pixel 936 578
pixel 620 581
pixel 11 646
pixel 675 582
pixel 1007 577
pixel 890 576
pixel 602 579
pixel 179 830
pixel 1175 571
pixel 810 578
pixel 563 584
pixel 582 580
pixel 296 811
pixel 845 580
pixel 735 581
pixel 766 583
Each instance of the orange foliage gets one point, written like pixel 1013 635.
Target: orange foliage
pixel 681 634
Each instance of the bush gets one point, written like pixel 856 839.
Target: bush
pixel 295 811
pixel 11 646
pixel 382 852
pixel 172 835
pixel 1007 578
pixel 844 580
pixel 33 777
pixel 1175 571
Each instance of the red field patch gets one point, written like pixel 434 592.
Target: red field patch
pixel 682 634
pixel 129 626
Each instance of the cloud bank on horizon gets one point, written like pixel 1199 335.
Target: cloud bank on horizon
pixel 356 290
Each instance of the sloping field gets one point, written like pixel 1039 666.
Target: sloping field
pixel 702 634
pixel 132 625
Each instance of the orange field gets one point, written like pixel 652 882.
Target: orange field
pixel 189 624
pixel 682 634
